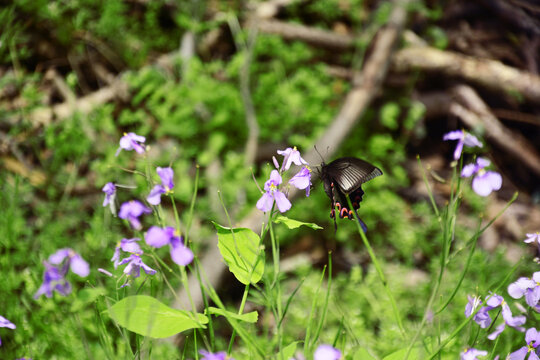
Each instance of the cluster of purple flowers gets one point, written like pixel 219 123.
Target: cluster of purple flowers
pixel 132 210
pixel 522 287
pixel 484 181
pixel 273 190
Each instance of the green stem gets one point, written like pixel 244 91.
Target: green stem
pixel 378 268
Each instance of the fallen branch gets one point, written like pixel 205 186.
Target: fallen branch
pixel 476 113
pixel 490 74
pixel 467 105
pixel 317 37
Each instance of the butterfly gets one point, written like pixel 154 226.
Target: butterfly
pixel 345 176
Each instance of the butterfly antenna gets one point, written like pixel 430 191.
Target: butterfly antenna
pixel 315 146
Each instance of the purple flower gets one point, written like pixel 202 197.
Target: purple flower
pixel 222 355
pixel 131 211
pixel 53 279
pixel 472 353
pixel 532 338
pixel 528 287
pixel 158 237
pixel 291 155
pixel 7 324
pixel 75 261
pixel 326 352
pixel 482 317
pixel 532 237
pixel 515 322
pixel 302 180
pixel 167 184
pixel 485 181
pixel 134 265
pixel 110 194
pixel 464 138
pixel 131 141
pixel 272 193
pixel 127 245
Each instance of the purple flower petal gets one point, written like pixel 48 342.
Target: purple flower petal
pixel 302 180
pixel 166 175
pixel 291 155
pixel 517 288
pixel 110 191
pixel 497 332
pixel 458 150
pixel 482 185
pixel 532 336
pixel 131 246
pixel 265 202
pixel 6 323
pixel 453 135
pixel 79 266
pixel 222 355
pixel 532 296
pixel 519 354
pixel 154 197
pixel 282 202
pixel 468 170
pixel 533 237
pixel 275 179
pixel 131 211
pixel 472 353
pixel 180 254
pixel 59 256
pixel 471 141
pixel 131 141
pixel 326 352
pixel 158 237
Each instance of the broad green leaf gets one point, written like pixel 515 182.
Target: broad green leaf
pixel 147 316
pixel 288 351
pixel 400 354
pixel 362 354
pixel 249 317
pixel 242 251
pixel 293 224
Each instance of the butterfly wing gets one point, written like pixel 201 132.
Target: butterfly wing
pixel 345 176
pixel 349 173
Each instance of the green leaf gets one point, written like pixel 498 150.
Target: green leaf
pixel 362 354
pixel 288 351
pixel 249 317
pixel 147 316
pixel 400 354
pixel 241 249
pixel 293 224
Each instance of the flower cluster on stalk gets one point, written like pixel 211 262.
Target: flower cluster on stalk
pixel 274 190
pixel 524 287
pixel 484 181
pixel 133 210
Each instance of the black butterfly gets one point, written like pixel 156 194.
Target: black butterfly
pixel 346 176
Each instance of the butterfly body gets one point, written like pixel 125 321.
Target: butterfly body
pixel 345 176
